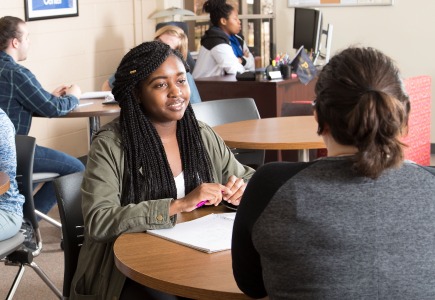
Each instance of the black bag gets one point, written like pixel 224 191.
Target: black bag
pixel 245 76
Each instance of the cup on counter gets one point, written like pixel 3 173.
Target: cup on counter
pixel 286 71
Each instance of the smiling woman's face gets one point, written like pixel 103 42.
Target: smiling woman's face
pixel 165 94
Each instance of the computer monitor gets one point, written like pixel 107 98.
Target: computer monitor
pixel 307 29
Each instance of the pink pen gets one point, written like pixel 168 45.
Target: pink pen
pixel 201 203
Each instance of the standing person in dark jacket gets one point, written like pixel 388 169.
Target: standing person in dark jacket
pixel 21 96
pixel 222 50
pixel 358 224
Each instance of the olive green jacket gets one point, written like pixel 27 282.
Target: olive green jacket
pixel 105 219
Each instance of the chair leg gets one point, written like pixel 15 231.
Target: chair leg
pixel 48 219
pixel 17 280
pixel 45 278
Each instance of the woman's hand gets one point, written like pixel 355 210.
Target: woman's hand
pixel 237 188
pixel 211 193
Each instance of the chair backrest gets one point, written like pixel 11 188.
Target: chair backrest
pixel 217 112
pixel 297 108
pixel 25 147
pixel 69 201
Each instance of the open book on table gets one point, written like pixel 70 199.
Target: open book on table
pixel 211 233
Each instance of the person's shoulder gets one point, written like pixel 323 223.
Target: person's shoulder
pixel 204 126
pixel 213 37
pixel 111 130
pixel 282 169
pixel 428 169
pixel 9 64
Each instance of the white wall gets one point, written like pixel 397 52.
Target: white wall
pixel 404 31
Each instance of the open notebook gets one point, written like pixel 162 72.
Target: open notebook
pixel 211 233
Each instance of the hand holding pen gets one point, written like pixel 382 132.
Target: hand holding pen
pixel 204 194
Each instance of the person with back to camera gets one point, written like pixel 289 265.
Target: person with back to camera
pixel 21 96
pixel 358 224
pixel 222 50
pixel 176 38
pixel 152 162
pixel 11 202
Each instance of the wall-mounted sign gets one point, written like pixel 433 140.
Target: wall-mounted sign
pixel 48 9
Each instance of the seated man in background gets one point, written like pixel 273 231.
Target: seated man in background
pixel 11 202
pixel 176 38
pixel 21 96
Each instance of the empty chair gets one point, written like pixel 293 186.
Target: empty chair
pixel 32 246
pixel 217 112
pixel 297 108
pixel 69 200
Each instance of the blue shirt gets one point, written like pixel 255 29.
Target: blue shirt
pixel 12 200
pixel 21 96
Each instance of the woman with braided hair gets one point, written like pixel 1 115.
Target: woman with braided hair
pixel 176 38
pixel 358 224
pixel 154 161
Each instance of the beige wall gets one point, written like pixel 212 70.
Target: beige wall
pixel 86 49
pixel 83 50
pixel 405 31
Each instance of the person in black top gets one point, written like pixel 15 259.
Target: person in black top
pixel 358 224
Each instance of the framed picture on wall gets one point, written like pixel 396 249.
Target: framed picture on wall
pixel 50 9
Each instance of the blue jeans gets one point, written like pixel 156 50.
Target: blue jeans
pixel 49 160
pixel 10 224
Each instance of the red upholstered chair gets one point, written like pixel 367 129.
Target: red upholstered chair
pixel 418 138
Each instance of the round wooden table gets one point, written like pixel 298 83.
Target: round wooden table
pixel 4 183
pixel 93 109
pixel 177 269
pixel 280 133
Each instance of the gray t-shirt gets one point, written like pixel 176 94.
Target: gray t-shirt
pixel 317 231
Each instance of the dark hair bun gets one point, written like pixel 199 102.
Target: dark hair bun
pixel 212 5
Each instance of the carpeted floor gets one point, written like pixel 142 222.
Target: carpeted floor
pixel 50 260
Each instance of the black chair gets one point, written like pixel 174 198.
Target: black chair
pixel 217 112
pixel 69 200
pixel 32 246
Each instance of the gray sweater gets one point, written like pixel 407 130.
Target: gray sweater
pixel 317 231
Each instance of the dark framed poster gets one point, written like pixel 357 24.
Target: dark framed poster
pixel 50 9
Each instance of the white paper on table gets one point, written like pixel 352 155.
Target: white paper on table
pixel 98 94
pixel 211 233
